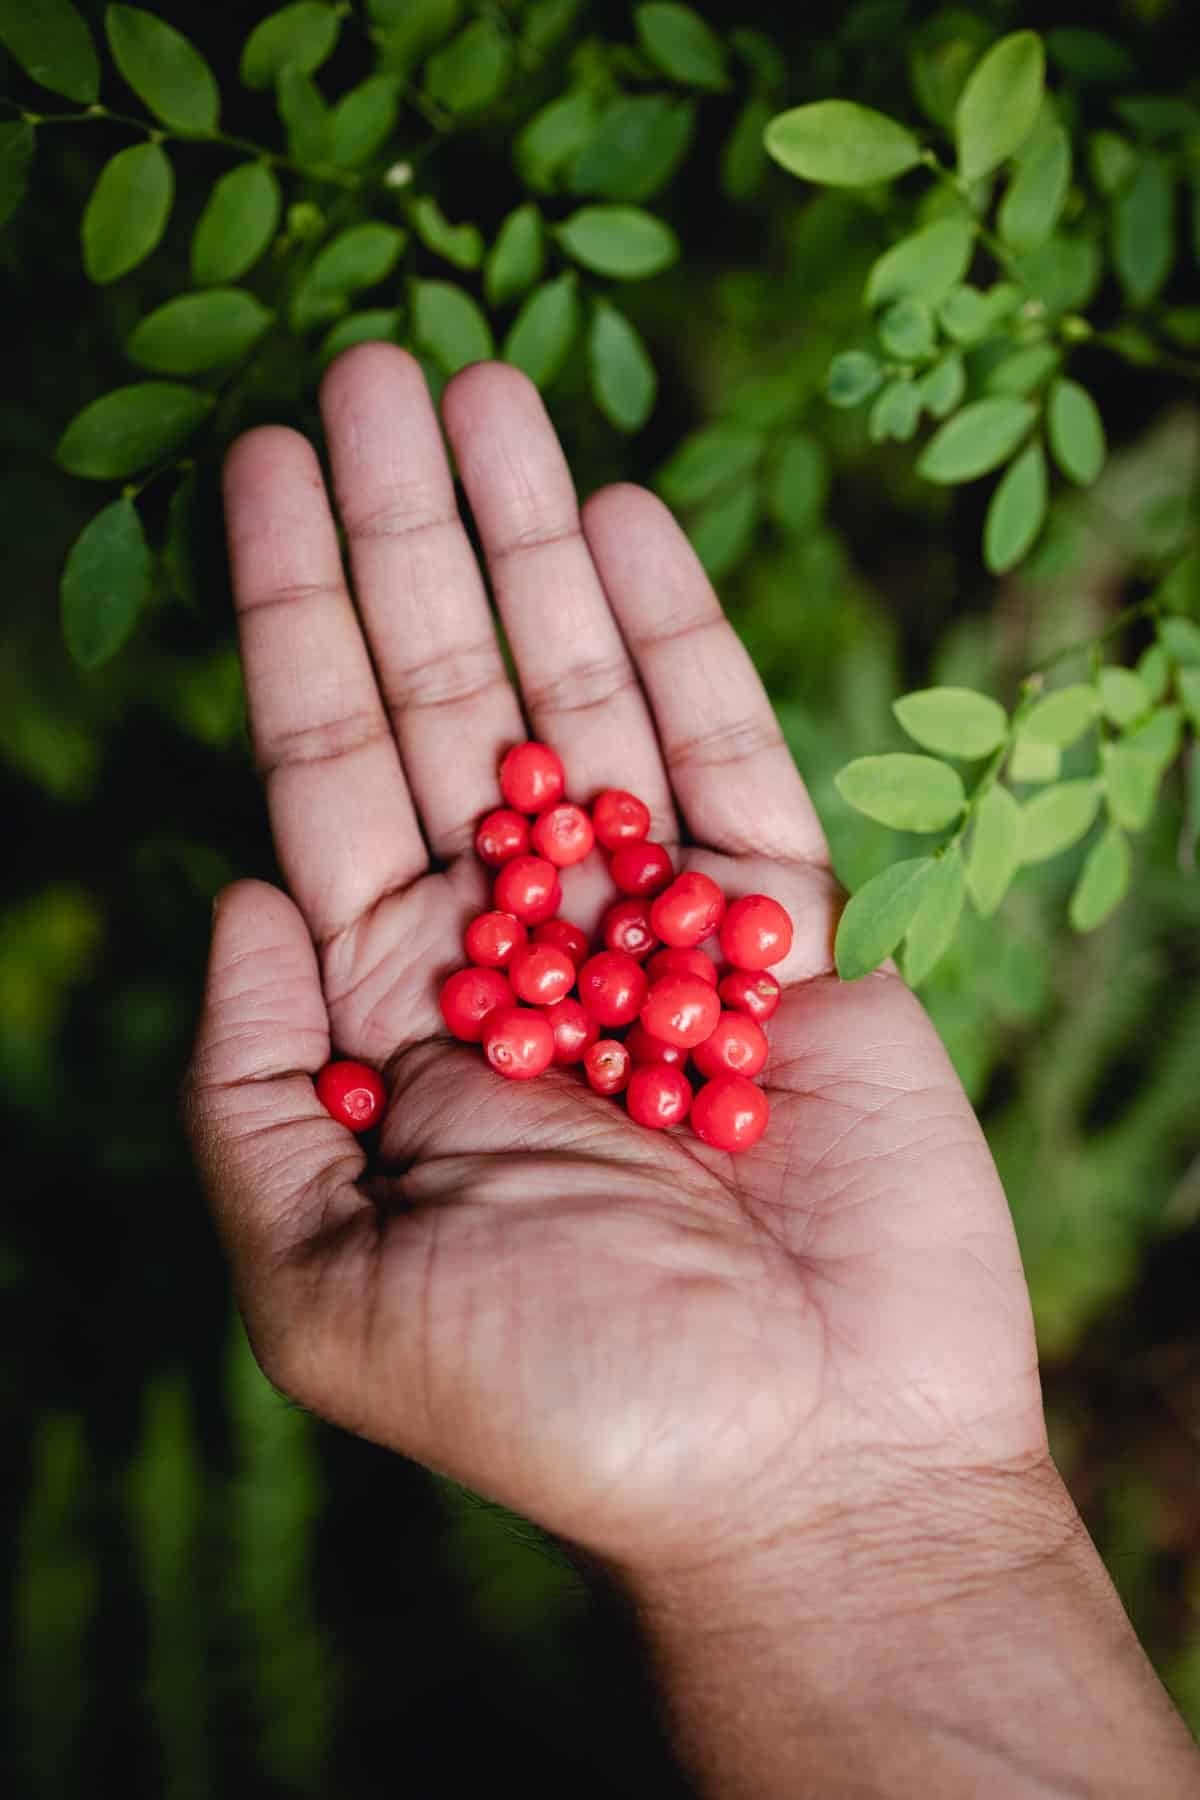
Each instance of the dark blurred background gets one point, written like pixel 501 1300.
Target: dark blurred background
pixel 205 1590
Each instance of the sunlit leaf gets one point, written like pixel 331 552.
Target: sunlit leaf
pixel 878 915
pixel 240 218
pixel 935 921
pixel 841 144
pixel 517 258
pixel 925 265
pixel 1000 103
pixel 1061 717
pixel 1103 881
pixel 1017 511
pixel 680 42
pixel 1076 431
pixel 953 721
pixel 1057 818
pixel 909 793
pixel 449 325
pixel 995 853
pixel 976 440
pixel 540 337
pixel 621 241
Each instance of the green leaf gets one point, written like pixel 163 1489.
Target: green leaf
pixel 545 148
pixel 1112 160
pixel 744 157
pixel 1032 761
pixel 105 584
pixel 1038 192
pixel 926 264
pixel 546 23
pixel 621 241
pixel 1179 589
pixel 636 148
pixel 679 42
pixel 198 332
pixel 942 387
pixel 380 325
pixel 722 532
pixel 363 121
pixel 308 120
pixel 1000 103
pixel 800 484
pixel 163 68
pixel 517 258
pixel 935 921
pixel 409 29
pixel 707 461
pixel 16 154
pixel 995 853
pixel 1103 881
pixel 448 324
pixel 540 337
pixel 1159 115
pixel 1154 671
pixel 1016 512
pixel 1131 783
pixel 472 70
pixel 53 45
pixel 1089 55
pixel 943 52
pixel 240 218
pixel 128 211
pixel 896 413
pixel 906 330
pixel 461 245
pixel 841 144
pixel 909 793
pixel 1076 431
pixel 299 37
pixel 1063 273
pixel 127 430
pixel 1181 641
pixel 1061 717
pixel 1024 371
pixel 1123 695
pixel 360 257
pixel 1057 818
pixel 953 721
pixel 877 917
pixel 969 315
pixel 976 440
pixel 1189 693
pixel 623 377
pixel 1157 737
pixel 1144 230
pixel 761 55
pixel 853 376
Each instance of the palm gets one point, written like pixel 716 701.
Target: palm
pixel 619 1333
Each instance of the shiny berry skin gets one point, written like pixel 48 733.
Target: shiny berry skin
pixel 564 936
pixel 529 888
pixel 688 911
pixel 612 987
pixel 730 1113
pixel 646 1049
pixel 531 777
pixel 469 997
pixel 658 1096
pixel 575 1030
pixel 491 938
pixel 626 926
pixel 682 962
pixel 606 1065
pixel 352 1093
pixel 619 818
pixel 681 1010
pixel 736 1045
pixel 540 974
pixel 518 1043
pixel 755 932
pixel 640 869
pixel 563 834
pixel 502 835
pixel 752 991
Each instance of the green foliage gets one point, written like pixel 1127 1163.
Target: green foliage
pixel 53 45
pixel 300 37
pixel 240 218
pixel 677 41
pixel 105 584
pixel 127 430
pixel 128 212
pixel 622 374
pixel 163 69
pixel 841 143
pixel 999 104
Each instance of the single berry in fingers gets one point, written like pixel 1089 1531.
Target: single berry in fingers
pixel 352 1093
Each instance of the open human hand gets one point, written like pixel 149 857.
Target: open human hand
pixel 652 1348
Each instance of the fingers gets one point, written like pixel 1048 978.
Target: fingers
pixel 344 825
pixel 419 590
pixel 579 686
pixel 732 773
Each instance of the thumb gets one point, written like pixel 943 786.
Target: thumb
pixel 279 1171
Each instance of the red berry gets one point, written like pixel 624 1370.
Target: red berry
pixel 689 911
pixel 735 1046
pixel 529 887
pixel 646 1049
pixel 564 936
pixel 682 962
pixel 518 1043
pixel 612 987
pixel 755 932
pixel 606 1065
pixel 619 818
pixel 531 777
pixel 574 1030
pixel 352 1092
pixel 501 835
pixel 626 926
pixel 681 1010
pixel 467 999
pixel 491 939
pixel 754 992
pixel 540 974
pixel 563 834
pixel 658 1096
pixel 730 1113
pixel 641 868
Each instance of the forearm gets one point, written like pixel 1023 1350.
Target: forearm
pixel 986 1655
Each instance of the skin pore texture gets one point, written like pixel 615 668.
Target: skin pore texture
pixel 785 1403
